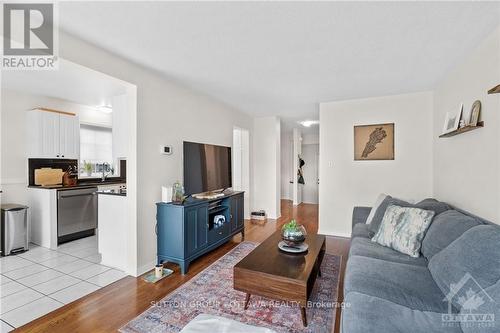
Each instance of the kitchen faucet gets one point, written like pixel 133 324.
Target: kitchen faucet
pixel 104 175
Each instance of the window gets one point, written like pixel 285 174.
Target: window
pixel 95 150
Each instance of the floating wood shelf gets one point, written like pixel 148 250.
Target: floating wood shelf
pixel 463 130
pixel 494 90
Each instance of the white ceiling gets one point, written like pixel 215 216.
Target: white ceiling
pixel 71 82
pixel 277 58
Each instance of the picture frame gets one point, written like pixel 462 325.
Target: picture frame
pixel 452 120
pixel 475 113
pixel 374 142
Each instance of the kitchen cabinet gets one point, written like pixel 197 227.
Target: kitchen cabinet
pixel 69 136
pixel 43 217
pixel 112 231
pixel 53 134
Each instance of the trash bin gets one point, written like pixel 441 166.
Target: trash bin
pixel 14 229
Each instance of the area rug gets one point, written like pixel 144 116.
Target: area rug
pixel 211 292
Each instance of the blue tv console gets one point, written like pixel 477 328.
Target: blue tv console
pixel 187 231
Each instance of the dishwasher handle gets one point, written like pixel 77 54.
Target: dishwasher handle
pixel 76 195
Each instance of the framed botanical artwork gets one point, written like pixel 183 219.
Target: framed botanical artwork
pixel 452 120
pixel 374 142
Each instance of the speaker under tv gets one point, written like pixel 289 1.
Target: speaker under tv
pixel 207 168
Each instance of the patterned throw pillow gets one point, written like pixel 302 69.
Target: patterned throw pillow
pixel 403 229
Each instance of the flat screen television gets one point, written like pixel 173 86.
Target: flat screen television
pixel 206 168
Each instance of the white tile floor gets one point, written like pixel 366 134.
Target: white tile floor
pixel 40 280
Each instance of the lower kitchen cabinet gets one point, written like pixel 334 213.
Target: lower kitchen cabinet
pixel 112 230
pixel 42 217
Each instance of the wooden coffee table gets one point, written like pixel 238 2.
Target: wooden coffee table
pixel 269 272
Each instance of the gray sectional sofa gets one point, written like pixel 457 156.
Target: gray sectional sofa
pixel 452 287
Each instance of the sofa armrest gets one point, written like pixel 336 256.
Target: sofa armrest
pixel 360 214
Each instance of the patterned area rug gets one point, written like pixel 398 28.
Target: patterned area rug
pixel 211 292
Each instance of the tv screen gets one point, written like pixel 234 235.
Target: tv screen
pixel 206 167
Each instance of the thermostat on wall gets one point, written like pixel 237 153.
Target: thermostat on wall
pixel 166 150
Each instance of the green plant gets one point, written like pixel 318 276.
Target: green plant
pixel 291 226
pixel 87 167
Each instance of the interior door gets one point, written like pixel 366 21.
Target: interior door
pixel 310 154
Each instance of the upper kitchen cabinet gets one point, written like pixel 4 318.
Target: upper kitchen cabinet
pixel 53 134
pixel 69 136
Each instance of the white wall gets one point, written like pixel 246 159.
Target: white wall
pixel 466 167
pixel 286 164
pixel 345 183
pixel 167 113
pixel 14 170
pixel 267 165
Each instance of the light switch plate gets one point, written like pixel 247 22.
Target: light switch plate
pixel 166 150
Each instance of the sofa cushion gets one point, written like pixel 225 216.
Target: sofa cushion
pixel 436 206
pixel 403 229
pixel 427 204
pixel 361 230
pixel 445 228
pixel 364 313
pixel 489 309
pixel 361 246
pixel 375 206
pixel 407 285
pixel 380 212
pixel 476 252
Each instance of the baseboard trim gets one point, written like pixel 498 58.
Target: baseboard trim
pixel 146 267
pixel 335 234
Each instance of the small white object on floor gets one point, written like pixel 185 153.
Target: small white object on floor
pixel 214 324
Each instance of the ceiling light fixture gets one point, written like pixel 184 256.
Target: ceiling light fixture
pixel 309 123
pixel 105 108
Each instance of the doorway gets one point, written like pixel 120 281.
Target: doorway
pixel 310 155
pixel 241 165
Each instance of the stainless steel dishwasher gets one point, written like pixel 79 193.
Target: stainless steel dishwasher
pixel 76 214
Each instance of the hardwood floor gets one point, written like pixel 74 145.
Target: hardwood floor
pixel 109 308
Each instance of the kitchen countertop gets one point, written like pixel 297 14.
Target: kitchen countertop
pixel 80 185
pixel 113 192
